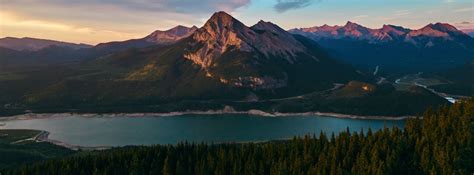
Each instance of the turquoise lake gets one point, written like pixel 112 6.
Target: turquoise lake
pixel 121 131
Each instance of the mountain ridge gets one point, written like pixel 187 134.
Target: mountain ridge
pixel 394 49
pixel 388 32
pixel 157 37
pixel 35 44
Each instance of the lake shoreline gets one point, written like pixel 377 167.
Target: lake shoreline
pixel 44 137
pixel 29 116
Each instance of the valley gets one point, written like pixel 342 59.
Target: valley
pixel 224 63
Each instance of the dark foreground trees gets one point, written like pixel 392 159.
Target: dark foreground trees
pixel 441 143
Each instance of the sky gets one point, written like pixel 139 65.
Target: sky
pixel 96 21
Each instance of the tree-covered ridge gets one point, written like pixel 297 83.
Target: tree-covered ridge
pixel 441 143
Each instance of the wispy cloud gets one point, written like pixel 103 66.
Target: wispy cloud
pixel 285 5
pixel 402 12
pixel 360 16
pixel 396 15
pixel 15 25
pixel 16 21
pixel 465 25
pixel 467 9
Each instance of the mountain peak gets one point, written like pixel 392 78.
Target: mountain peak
pixel 180 27
pixel 171 35
pixel 444 27
pixel 219 33
pixel 352 24
pixel 262 25
pixel 223 33
pixel 220 22
pixel 394 30
pixel 429 30
pixel 181 30
pixel 221 17
pixel 221 14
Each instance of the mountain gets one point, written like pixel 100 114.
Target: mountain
pixel 170 36
pixel 14 60
pixel 263 56
pixel 224 59
pixel 158 37
pixel 224 63
pixel 394 48
pixel 58 53
pixel 469 32
pixel 350 31
pixel 34 44
pixel 386 33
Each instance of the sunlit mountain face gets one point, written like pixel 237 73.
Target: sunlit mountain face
pixel 395 48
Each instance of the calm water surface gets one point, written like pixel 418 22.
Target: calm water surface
pixel 120 131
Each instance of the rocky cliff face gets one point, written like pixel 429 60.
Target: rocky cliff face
pixel 223 33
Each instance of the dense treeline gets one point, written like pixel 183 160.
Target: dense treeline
pixel 441 143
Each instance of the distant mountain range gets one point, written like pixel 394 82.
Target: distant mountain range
pixel 424 37
pixel 34 44
pixel 158 37
pixel 394 48
pixel 31 52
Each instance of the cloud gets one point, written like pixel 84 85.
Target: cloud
pixel 402 12
pixel 397 15
pixel 468 9
pixel 360 16
pixel 285 5
pixel 15 25
pixel 465 25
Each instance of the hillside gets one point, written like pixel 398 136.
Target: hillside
pixel 222 60
pixel 460 80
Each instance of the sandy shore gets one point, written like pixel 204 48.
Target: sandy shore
pixel 209 112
